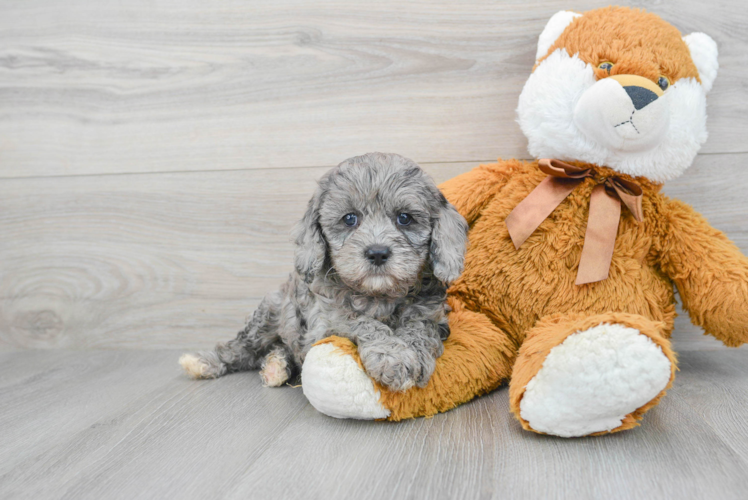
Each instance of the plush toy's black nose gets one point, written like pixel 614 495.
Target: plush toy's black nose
pixel 377 254
pixel 640 96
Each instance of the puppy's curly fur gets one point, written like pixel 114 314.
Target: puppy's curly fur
pixel 375 251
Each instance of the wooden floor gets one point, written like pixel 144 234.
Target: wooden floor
pixel 128 424
pixel 154 155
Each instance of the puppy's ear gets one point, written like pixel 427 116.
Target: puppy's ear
pixel 448 243
pixel 310 242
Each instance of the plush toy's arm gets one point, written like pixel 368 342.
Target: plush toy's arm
pixel 471 191
pixel 710 272
pixel 477 357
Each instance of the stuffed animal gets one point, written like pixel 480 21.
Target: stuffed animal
pixel 568 288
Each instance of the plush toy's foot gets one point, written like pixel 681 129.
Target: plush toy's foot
pixel 582 379
pixel 335 383
pixel 477 357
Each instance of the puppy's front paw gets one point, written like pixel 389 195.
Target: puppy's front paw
pixel 394 364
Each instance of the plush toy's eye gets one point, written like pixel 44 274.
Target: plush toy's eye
pixel 404 219
pixel 350 219
pixel 607 66
pixel 663 82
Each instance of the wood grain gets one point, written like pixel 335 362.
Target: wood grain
pixel 715 385
pixel 179 259
pixel 135 417
pixel 154 261
pixel 230 111
pixel 127 424
pixel 111 87
pixel 480 451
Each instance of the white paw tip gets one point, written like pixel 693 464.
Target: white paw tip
pixel 193 365
pixel 337 386
pixel 274 372
pixel 592 380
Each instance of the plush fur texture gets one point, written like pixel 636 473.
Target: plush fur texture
pixel 504 294
pixel 477 358
pixel 363 271
pixel 337 385
pixel 554 28
pixel 704 54
pixel 584 383
pixel 570 110
pixel 518 315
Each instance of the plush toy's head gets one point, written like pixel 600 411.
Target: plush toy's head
pixel 621 88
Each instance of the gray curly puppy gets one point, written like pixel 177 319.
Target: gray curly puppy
pixel 375 251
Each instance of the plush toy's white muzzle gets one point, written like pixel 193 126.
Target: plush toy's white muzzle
pixel 568 114
pixel 623 113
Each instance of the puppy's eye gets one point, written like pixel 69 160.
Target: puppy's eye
pixel 404 219
pixel 350 219
pixel 663 82
pixel 607 66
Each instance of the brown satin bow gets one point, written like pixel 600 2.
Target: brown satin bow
pixel 602 224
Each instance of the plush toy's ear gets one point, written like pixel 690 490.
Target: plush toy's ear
pixel 311 247
pixel 556 25
pixel 704 54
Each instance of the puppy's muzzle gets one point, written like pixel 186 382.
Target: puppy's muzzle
pixel 378 254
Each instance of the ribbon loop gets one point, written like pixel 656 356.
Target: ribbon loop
pixel 604 216
pixel 563 170
pixel 630 194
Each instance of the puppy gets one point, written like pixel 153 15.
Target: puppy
pixel 375 251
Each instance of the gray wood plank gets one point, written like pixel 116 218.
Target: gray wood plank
pixel 129 425
pixel 27 364
pixel 109 87
pixel 179 259
pixel 157 261
pixel 480 451
pixel 715 385
pixel 67 392
pixel 135 419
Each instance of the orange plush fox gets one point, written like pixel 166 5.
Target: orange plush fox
pixel 568 289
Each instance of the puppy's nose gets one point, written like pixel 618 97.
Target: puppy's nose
pixel 377 254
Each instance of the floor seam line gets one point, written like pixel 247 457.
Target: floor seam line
pixel 156 172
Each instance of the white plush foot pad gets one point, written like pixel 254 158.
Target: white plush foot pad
pixel 337 386
pixel 592 380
